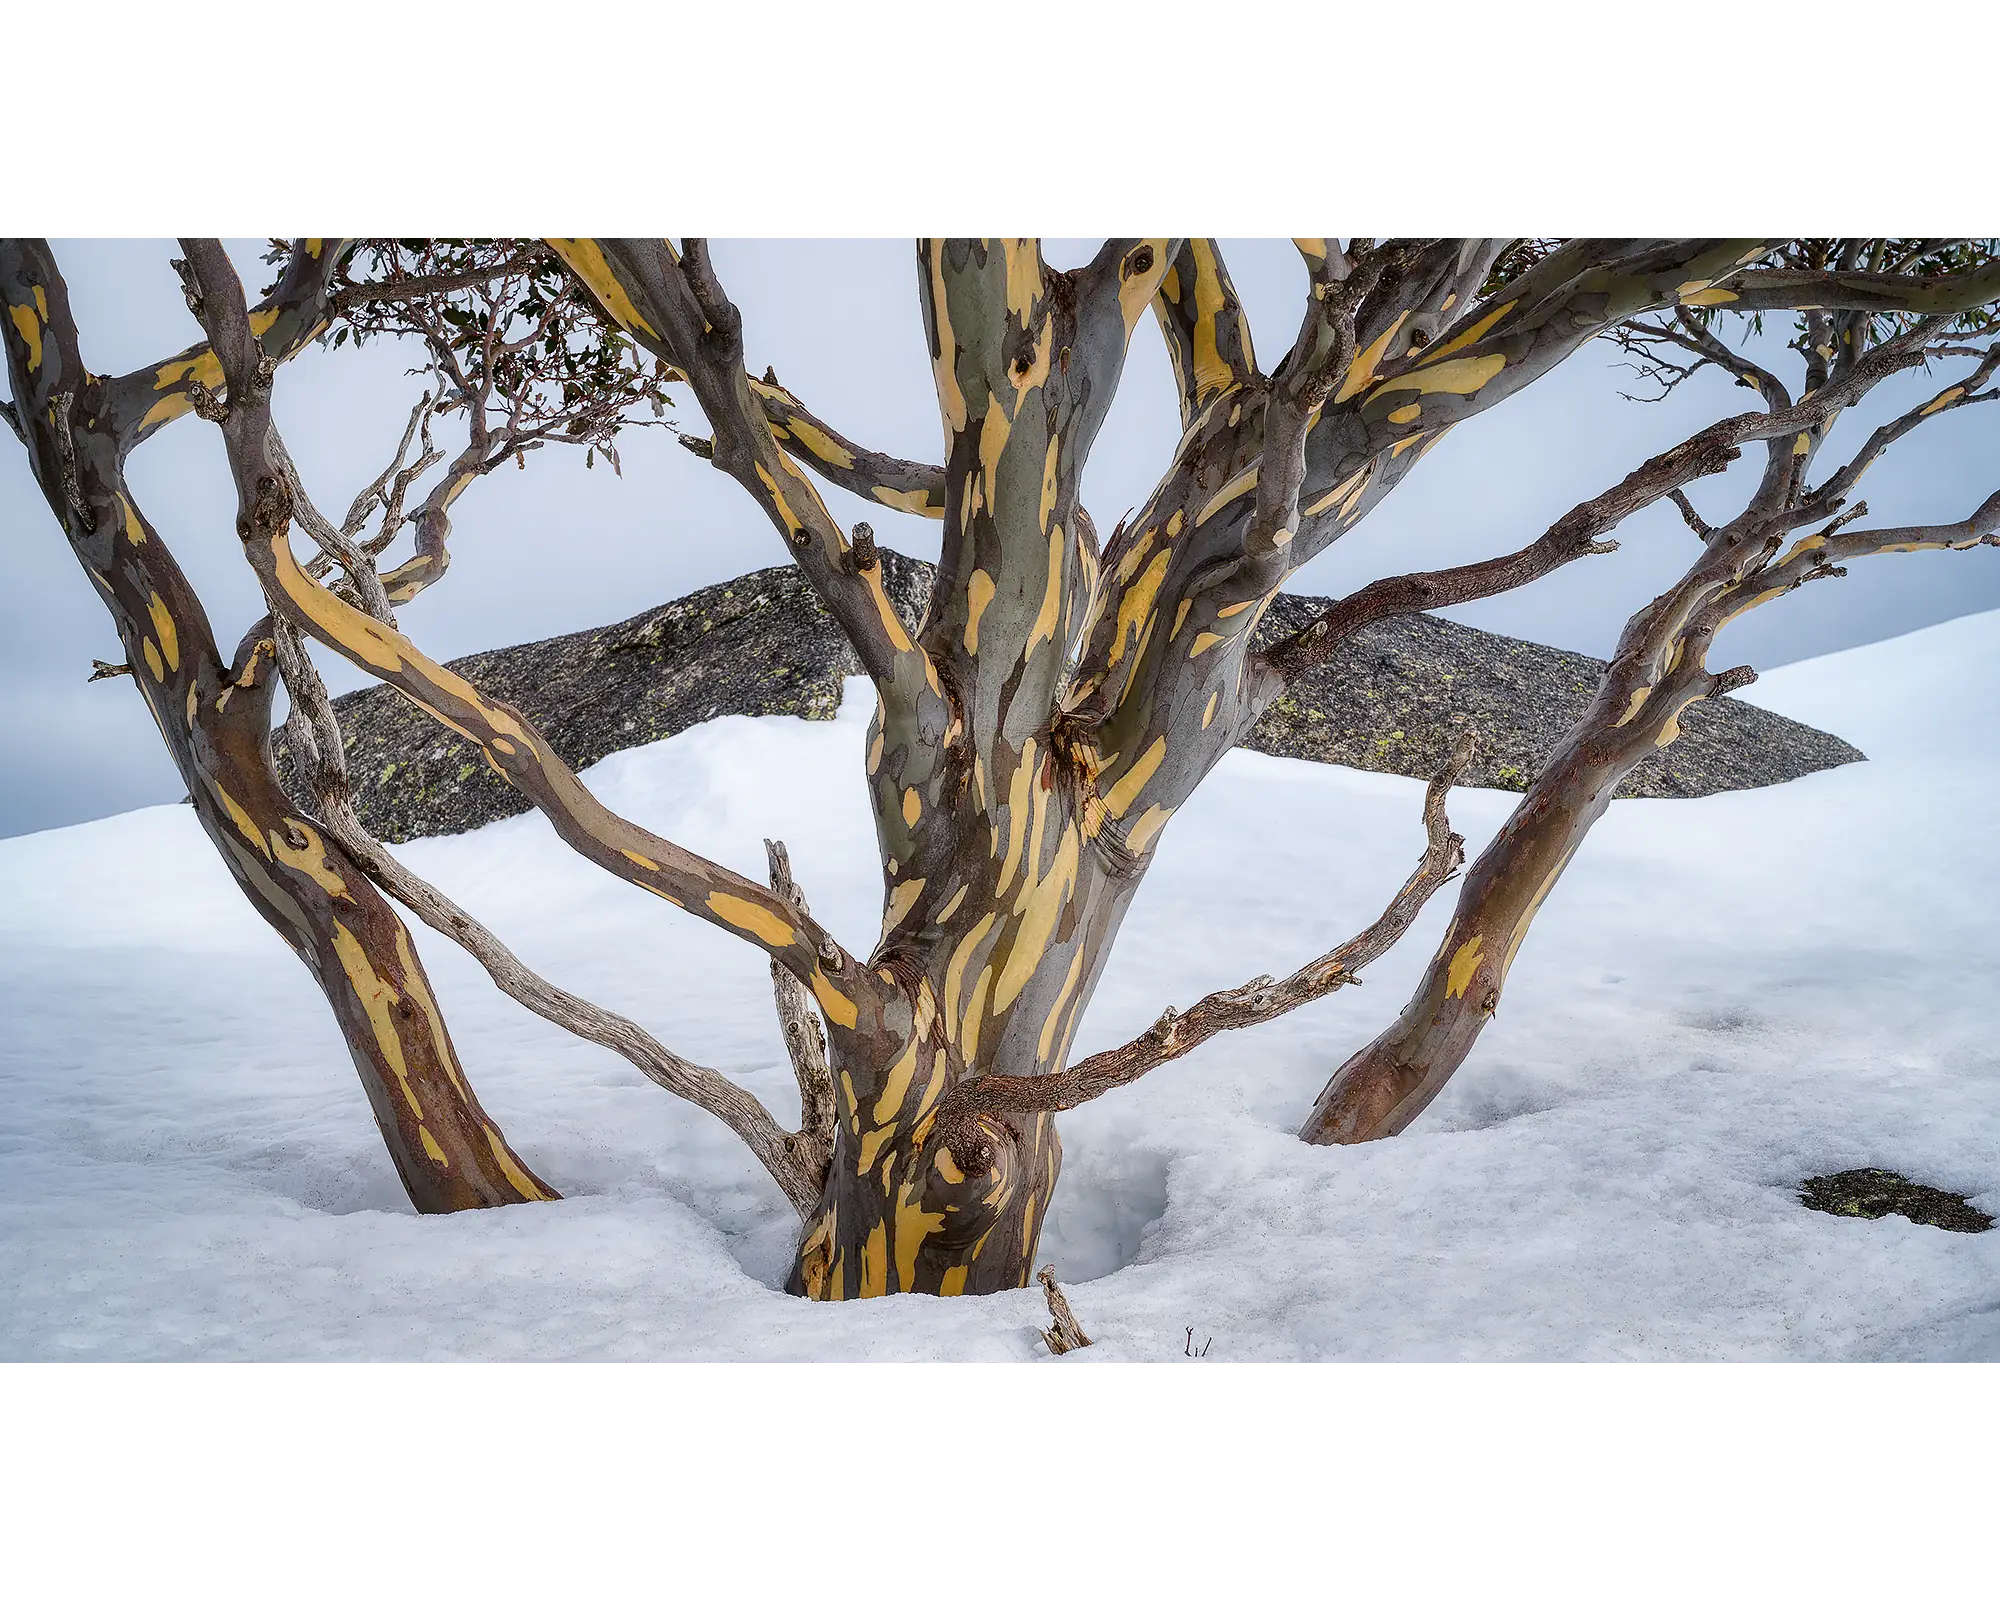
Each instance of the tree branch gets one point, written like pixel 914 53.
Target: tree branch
pixel 644 287
pixel 1577 533
pixel 317 739
pixel 911 486
pixel 805 1041
pixel 1260 1000
pixel 297 311
pixel 514 748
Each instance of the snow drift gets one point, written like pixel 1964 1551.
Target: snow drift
pixel 1724 996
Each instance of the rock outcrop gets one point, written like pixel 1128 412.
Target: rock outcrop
pixel 762 645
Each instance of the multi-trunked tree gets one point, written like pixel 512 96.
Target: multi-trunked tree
pixel 1062 696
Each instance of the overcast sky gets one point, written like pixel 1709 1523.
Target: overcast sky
pixel 558 548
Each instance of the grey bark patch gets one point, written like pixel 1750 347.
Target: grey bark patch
pixel 763 645
pixel 1873 1193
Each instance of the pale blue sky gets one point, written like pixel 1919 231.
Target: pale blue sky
pixel 557 547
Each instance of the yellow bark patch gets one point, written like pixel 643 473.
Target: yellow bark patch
pixel 1471 335
pixel 1710 297
pixel 1943 400
pixel 585 257
pixel 1243 483
pixel 871 1147
pixel 135 531
pixel 1018 792
pixel 978 595
pixel 1466 375
pixel 954 971
pixel 377 997
pixel 1211 371
pixel 1136 604
pixel 1038 921
pixel 875 1262
pixel 1361 372
pixel 913 807
pixel 1466 962
pixel 308 858
pixel 913 1226
pixel 510 1169
pixel 840 1011
pixel 892 625
pixel 432 1148
pixel 918 502
pixel 29 326
pixel 953 1281
pixel 758 921
pixel 1208 714
pixel 1127 788
pixel 819 445
pixel 153 663
pixel 897 1084
pixel 814 1258
pixel 951 905
pixel 237 814
pixel 1408 413
pixel 1204 641
pixel 900 902
pixel 1351 484
pixel 975 1015
pixel 1048 1035
pixel 1045 619
pixel 1150 822
pixel 1180 616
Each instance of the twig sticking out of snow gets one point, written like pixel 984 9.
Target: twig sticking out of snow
pixel 1067 1334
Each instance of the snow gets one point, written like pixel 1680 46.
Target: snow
pixel 1723 997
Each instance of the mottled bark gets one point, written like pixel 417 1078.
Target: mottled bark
pixel 1063 697
pixel 1659 669
pixel 214 717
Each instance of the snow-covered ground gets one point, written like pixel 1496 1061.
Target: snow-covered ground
pixel 1723 997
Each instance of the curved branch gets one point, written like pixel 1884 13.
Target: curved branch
pixel 1260 1000
pixel 672 307
pixel 512 746
pixel 910 486
pixel 1577 533
pixel 319 741
pixel 297 311
pixel 1204 325
pixel 1797 289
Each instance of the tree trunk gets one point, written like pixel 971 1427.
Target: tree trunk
pixel 1382 1088
pixel 215 720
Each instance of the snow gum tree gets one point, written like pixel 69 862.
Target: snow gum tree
pixel 1059 701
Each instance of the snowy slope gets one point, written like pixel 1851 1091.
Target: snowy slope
pixel 1724 996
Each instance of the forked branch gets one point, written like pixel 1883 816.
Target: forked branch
pixel 317 740
pixel 511 745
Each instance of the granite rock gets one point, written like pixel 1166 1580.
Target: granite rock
pixel 762 645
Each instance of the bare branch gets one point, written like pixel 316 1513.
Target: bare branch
pixel 1067 1334
pixel 317 739
pixel 512 746
pixel 1176 1033
pixel 805 1040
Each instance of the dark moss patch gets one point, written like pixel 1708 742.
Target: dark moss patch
pixel 1873 1193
